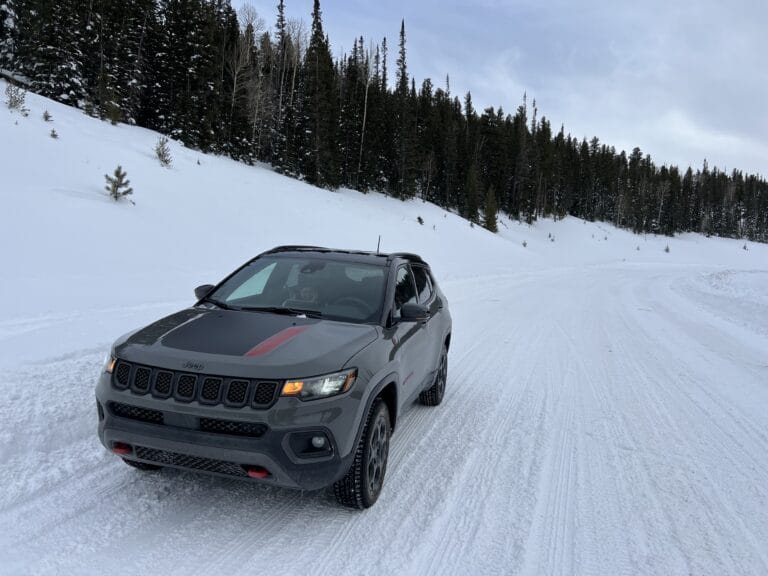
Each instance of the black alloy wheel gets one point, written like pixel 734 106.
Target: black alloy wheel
pixel 362 485
pixel 433 395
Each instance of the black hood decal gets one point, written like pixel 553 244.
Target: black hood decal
pixel 246 343
pixel 228 333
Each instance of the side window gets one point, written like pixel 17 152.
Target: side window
pixel 405 291
pixel 423 284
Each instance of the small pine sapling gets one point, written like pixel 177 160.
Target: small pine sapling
pixel 525 244
pixel 47 116
pixel 163 152
pixel 117 185
pixel 54 134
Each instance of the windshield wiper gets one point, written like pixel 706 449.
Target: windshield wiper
pixel 284 310
pixel 220 304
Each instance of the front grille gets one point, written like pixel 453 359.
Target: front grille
pixel 136 413
pixel 237 392
pixel 185 387
pixel 205 388
pixel 216 426
pixel 141 380
pixel 122 375
pixel 211 390
pixel 165 458
pixel 163 383
pixel 265 392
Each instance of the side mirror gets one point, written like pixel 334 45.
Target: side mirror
pixel 412 312
pixel 203 291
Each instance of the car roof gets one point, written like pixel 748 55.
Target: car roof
pixel 350 255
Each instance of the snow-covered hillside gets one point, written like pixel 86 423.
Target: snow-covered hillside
pixel 606 409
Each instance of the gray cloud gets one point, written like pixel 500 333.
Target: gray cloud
pixel 682 80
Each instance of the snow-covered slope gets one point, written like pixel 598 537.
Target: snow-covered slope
pixel 607 404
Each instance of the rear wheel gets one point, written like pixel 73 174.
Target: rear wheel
pixel 434 395
pixel 141 465
pixel 361 486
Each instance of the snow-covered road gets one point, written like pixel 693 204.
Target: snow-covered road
pixel 602 420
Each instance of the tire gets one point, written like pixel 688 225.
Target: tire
pixel 434 395
pixel 361 486
pixel 141 465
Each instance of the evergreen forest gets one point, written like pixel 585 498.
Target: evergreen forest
pixel 230 83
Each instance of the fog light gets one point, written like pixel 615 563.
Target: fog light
pixel 257 472
pixel 121 448
pixel 318 442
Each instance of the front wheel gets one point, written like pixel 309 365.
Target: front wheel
pixel 361 486
pixel 434 395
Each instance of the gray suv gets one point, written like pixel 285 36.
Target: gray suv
pixel 292 371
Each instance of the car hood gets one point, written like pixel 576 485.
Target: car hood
pixel 246 344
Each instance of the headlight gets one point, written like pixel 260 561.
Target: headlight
pixel 320 386
pixel 109 363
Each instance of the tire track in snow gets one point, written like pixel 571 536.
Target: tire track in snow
pixel 579 434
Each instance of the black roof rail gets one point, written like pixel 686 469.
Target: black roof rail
pixel 406 256
pixel 297 248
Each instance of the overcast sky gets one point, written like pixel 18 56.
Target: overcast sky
pixel 684 80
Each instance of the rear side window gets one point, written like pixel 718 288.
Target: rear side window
pixel 405 291
pixel 423 284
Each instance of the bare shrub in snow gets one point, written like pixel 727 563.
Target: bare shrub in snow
pixel 117 185
pixel 47 116
pixel 15 97
pixel 54 134
pixel 525 244
pixel 111 111
pixel 163 152
pixel 420 220
pixel 666 249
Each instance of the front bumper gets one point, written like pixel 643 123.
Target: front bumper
pixel 231 442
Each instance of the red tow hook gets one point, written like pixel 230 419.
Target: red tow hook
pixel 257 472
pixel 121 448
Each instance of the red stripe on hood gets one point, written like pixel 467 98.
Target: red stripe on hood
pixel 276 341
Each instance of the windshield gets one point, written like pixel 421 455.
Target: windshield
pixel 333 289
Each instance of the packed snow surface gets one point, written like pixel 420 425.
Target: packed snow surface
pixel 606 409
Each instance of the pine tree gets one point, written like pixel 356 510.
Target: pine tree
pixel 8 33
pixel 320 108
pixel 117 185
pixel 163 152
pixel 471 191
pixel 404 176
pixel 490 211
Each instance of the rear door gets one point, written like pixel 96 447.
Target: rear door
pixel 427 296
